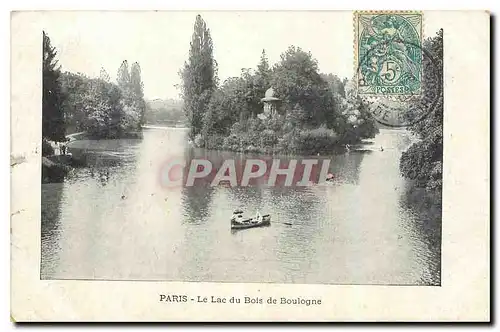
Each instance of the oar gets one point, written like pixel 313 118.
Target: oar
pixel 283 223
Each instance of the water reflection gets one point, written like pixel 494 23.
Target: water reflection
pixel 50 227
pixel 346 167
pixel 196 203
pixel 427 213
pixel 196 199
pixel 116 220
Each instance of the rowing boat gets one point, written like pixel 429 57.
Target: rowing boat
pixel 265 220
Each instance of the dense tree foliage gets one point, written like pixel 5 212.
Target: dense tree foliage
pixel 423 161
pixel 297 80
pixel 199 76
pixel 101 108
pixel 53 127
pixel 314 114
pixel 75 102
pixel 336 85
pixel 355 120
pixel 74 86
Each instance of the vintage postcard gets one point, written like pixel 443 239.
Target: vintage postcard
pixel 250 166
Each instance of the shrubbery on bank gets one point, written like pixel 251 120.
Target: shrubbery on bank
pixel 423 161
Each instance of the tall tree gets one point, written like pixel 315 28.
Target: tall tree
pixel 133 105
pixel 199 76
pixel 263 70
pixel 123 76
pixel 53 126
pixel 103 75
pixel 262 82
pixel 137 87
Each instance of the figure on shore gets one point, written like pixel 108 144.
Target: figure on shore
pixel 330 177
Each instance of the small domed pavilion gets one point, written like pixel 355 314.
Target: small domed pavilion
pixel 270 102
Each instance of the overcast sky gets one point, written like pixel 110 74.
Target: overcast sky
pixel 159 41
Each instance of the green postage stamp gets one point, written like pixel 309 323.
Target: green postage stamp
pixel 388 53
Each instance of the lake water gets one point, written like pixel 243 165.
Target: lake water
pixel 115 220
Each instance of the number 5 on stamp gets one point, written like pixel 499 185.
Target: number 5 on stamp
pixel 388 53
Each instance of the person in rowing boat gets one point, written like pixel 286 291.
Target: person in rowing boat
pixel 237 217
pixel 257 218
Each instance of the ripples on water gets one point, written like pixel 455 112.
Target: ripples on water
pixel 113 220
